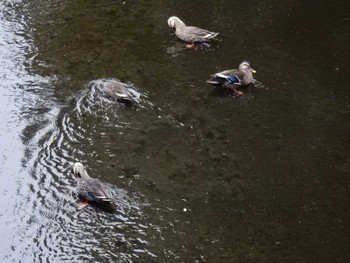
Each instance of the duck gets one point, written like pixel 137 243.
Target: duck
pixel 233 79
pixel 190 34
pixel 118 91
pixel 90 190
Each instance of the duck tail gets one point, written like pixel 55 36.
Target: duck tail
pixel 213 35
pixel 213 82
pixel 106 200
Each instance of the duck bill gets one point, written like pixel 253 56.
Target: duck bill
pixel 252 70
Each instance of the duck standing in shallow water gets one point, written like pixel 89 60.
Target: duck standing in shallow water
pixel 234 79
pixel 190 34
pixel 118 91
pixel 90 190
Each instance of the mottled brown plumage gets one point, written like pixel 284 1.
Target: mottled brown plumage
pixel 118 91
pixel 190 34
pixel 233 78
pixel 90 190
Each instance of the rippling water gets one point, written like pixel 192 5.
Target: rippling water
pixel 40 219
pixel 196 175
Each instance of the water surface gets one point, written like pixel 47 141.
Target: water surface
pixel 196 175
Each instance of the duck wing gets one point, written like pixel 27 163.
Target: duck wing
pixel 232 76
pixel 195 34
pixel 94 191
pixel 117 90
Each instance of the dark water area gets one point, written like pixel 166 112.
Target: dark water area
pixel 196 175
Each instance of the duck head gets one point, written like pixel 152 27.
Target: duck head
pixel 245 66
pixel 174 21
pixel 79 171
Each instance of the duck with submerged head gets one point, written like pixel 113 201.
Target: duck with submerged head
pixel 118 91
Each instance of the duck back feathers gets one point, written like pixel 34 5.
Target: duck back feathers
pixel 118 91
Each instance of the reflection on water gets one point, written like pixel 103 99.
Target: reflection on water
pixel 179 47
pixel 197 174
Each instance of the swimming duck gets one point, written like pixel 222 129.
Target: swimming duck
pixel 90 190
pixel 234 79
pixel 190 34
pixel 118 91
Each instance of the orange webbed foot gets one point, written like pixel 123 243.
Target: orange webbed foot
pixel 83 204
pixel 190 45
pixel 238 92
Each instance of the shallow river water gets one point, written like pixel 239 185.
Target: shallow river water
pixel 196 175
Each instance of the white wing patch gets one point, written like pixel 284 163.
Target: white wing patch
pixel 121 95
